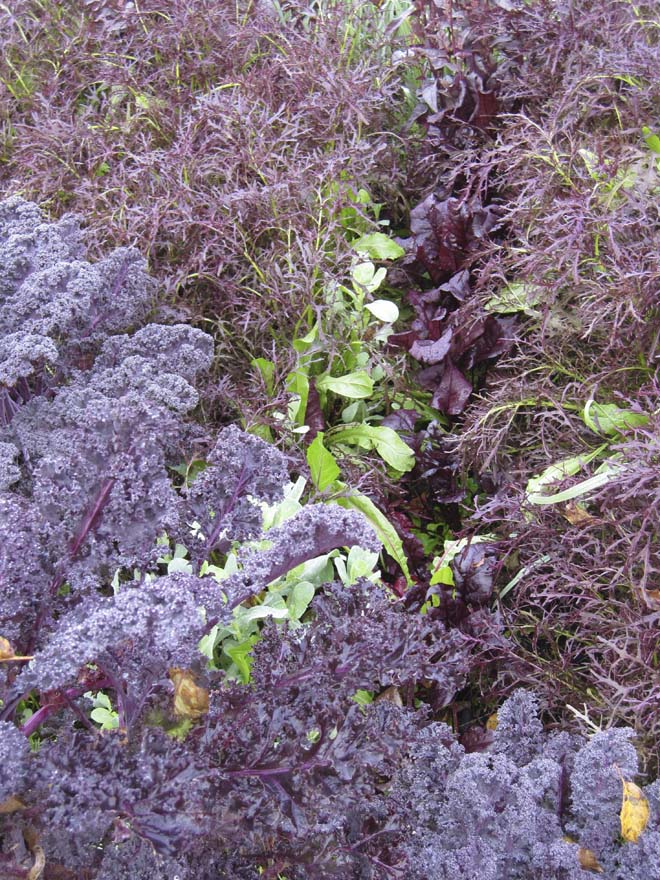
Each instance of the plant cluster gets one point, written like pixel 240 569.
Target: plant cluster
pixel 564 435
pixel 421 241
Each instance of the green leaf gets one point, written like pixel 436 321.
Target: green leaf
pixel 363 698
pixel 383 310
pixel 258 612
pixel 322 464
pixel 105 717
pixel 609 419
pixel 297 383
pixel 567 467
pixel 366 275
pixel 385 441
pixel 442 575
pixel 355 386
pixel 267 370
pixel 652 140
pixel 239 654
pixel 378 246
pixel 514 297
pixel 302 343
pixel 607 471
pixel 299 598
pixel 386 532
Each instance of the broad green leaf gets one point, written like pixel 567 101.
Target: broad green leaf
pixel 442 575
pixel 258 612
pixel 608 418
pixel 514 297
pixel 385 441
pixel 386 532
pixel 299 598
pixel 322 464
pixel 384 310
pixel 355 386
pixel 108 719
pixel 652 140
pixel 378 246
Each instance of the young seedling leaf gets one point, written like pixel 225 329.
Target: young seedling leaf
pixel 514 297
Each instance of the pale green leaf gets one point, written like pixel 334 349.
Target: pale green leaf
pixel 609 419
pixel 384 440
pixel 384 310
pixel 355 386
pixel 378 246
pixel 515 297
pixel 322 464
pixel 299 599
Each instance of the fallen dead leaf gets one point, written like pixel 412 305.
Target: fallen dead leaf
pixel 588 861
pixel 190 700
pixel 634 812
pixel 577 514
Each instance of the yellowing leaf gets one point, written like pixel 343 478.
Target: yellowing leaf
pixel 190 700
pixel 577 514
pixel 588 861
pixel 11 805
pixel 634 812
pixel 7 652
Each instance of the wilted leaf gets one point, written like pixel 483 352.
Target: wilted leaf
pixel 37 868
pixel 391 694
pixel 11 805
pixel 190 700
pixel 634 812
pixel 588 861
pixel 577 514
pixel 7 652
